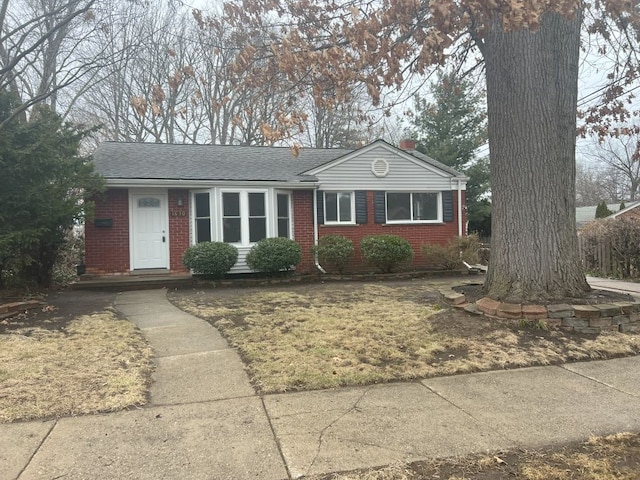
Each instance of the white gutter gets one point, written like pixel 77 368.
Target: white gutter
pixel 315 231
pixel 459 208
pixel 177 183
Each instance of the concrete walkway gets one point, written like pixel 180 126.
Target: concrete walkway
pixel 630 288
pixel 206 422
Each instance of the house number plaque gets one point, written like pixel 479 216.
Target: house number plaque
pixel 177 213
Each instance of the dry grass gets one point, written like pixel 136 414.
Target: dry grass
pixel 321 336
pixel 614 457
pixel 97 363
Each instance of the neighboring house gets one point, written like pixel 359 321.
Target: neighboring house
pixel 587 214
pixel 162 198
pixel 632 211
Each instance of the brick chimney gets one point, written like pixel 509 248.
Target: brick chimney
pixel 407 144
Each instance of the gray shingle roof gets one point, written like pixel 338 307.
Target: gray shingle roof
pixel 115 160
pixel 161 161
pixel 588 214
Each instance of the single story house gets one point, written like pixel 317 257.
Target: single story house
pixel 162 198
pixel 587 214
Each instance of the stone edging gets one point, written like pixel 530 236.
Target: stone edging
pixel 8 310
pixel 617 316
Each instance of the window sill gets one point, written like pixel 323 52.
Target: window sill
pixel 391 224
pixel 338 224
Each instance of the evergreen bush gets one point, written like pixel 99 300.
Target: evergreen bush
pixel 602 211
pixel 334 251
pixel 210 258
pixel 273 255
pixel 386 252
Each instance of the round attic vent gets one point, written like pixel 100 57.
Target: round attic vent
pixel 380 167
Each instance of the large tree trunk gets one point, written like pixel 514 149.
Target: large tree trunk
pixel 532 88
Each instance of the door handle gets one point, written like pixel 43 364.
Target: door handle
pixel 163 239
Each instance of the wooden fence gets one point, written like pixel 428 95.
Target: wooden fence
pixel 598 257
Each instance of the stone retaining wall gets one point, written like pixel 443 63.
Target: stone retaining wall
pixel 617 316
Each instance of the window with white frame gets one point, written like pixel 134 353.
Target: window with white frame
pixel 339 207
pixel 231 219
pixel 283 202
pixel 405 207
pixel 257 217
pixel 202 217
pixel 244 216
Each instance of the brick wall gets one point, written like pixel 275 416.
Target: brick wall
pixel 417 235
pixel 178 228
pixel 303 227
pixel 107 248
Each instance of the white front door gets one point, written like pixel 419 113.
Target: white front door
pixel 149 229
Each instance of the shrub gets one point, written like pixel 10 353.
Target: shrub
pixel 272 255
pixel 335 251
pixel 386 252
pixel 451 256
pixel 210 258
pixel 602 211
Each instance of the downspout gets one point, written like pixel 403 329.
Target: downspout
pixel 315 231
pixel 459 208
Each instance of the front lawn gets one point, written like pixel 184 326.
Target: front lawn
pixel 52 365
pixel 303 337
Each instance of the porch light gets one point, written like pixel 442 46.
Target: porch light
pixel 180 200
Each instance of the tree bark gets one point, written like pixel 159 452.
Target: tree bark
pixel 532 88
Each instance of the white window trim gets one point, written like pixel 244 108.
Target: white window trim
pixel 411 221
pixel 193 218
pixel 274 209
pixel 353 208
pixel 244 214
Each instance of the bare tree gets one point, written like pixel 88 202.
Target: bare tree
pixel 594 184
pixel 338 125
pixel 41 49
pixel 621 157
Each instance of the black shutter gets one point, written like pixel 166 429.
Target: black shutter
pixel 447 206
pixel 320 207
pixel 379 207
pixel 361 207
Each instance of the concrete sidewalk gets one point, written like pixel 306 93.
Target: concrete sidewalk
pixel 631 288
pixel 205 421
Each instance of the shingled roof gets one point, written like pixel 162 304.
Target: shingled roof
pixel 115 160
pixel 162 161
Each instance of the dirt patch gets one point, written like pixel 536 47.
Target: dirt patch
pixel 302 337
pixel 613 457
pixel 60 307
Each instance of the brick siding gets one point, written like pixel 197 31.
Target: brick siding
pixel 178 228
pixel 417 234
pixel 107 248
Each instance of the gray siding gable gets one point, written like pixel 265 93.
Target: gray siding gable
pixel 406 171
